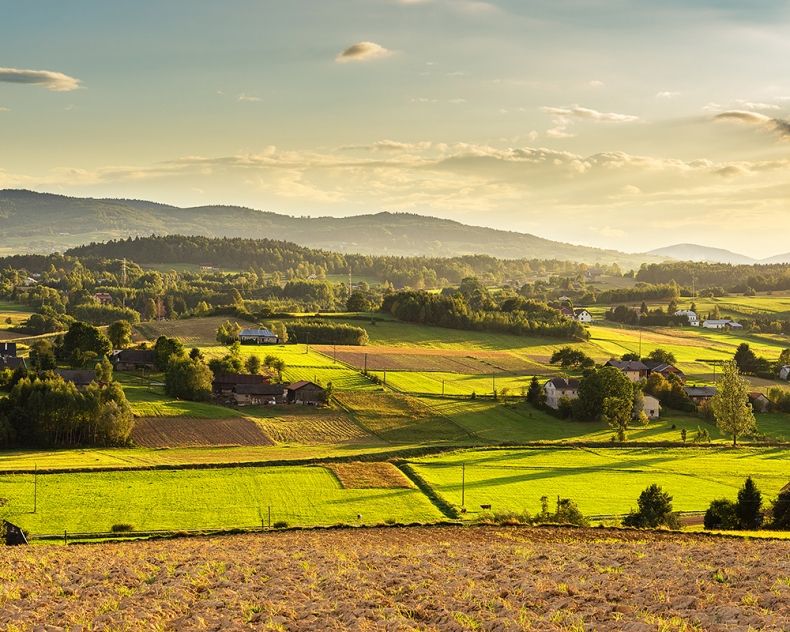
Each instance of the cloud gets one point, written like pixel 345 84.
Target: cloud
pixel 363 51
pixel 564 117
pixel 595 83
pixel 2 109
pixel 54 81
pixel 667 94
pixel 248 98
pixel 777 125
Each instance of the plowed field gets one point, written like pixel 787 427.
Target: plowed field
pixel 404 579
pixel 185 432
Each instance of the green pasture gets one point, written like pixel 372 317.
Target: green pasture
pixel 207 498
pixel 148 399
pixel 601 481
pixel 438 382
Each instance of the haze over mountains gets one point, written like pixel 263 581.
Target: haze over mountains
pixel 43 222
pixel 695 252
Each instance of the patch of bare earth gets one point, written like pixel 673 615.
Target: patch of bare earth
pixel 187 432
pixel 370 475
pixel 404 579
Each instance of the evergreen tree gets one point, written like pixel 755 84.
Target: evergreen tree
pixel 749 506
pixel 535 394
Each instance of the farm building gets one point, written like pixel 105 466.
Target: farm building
pixel 566 311
pixel 664 369
pixel 259 394
pixel 133 359
pixel 258 337
pixel 305 393
pixel 700 394
pixel 12 363
pixel 103 298
pixel 784 372
pixel 582 315
pixel 634 370
pixel 560 387
pixel 725 323
pixel 651 407
pixel 760 403
pixel 227 383
pixel 79 377
pixel 8 349
pixel 690 315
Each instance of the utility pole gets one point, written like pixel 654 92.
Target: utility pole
pixel 123 281
pixel 307 343
pixel 366 364
pixel 442 388
pixel 35 489
pixel 493 382
pixel 463 485
pixel 640 342
pixel 334 353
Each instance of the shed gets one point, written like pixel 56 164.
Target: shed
pixel 133 359
pixel 259 394
pixel 258 337
pixel 79 377
pixel 305 393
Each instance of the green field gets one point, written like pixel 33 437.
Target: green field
pixel 148 399
pixel 208 498
pixel 601 481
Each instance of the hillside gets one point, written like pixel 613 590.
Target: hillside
pixel 695 252
pixel 43 222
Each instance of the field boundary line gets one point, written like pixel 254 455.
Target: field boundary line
pixel 429 492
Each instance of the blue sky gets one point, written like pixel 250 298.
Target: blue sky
pixel 621 124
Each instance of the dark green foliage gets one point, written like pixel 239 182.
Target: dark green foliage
pixel 165 349
pixel 597 386
pixel 749 506
pixel 760 277
pixel 120 334
pixel 655 510
pixel 535 394
pixel 122 527
pixel 82 338
pixel 721 515
pixel 570 358
pixel 326 333
pixel 780 511
pixel 41 355
pixel 188 379
pixel 104 314
pixel 617 414
pixel 228 332
pixel 662 355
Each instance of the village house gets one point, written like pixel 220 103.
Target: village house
pixel 103 298
pixel 81 378
pixel 700 394
pixel 634 370
pixel 724 323
pixel 582 315
pixel 760 403
pixel 133 359
pixel 557 388
pixel 226 384
pixel 258 337
pixel 665 369
pixel 259 394
pixel 690 315
pixel 784 372
pixel 305 393
pixel 651 407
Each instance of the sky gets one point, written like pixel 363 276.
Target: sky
pixel 621 124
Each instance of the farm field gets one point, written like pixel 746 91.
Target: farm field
pixel 204 498
pixel 600 481
pixel 447 578
pixel 191 432
pixel 148 399
pixel 12 315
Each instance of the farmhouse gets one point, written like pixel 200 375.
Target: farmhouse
pixel 103 298
pixel 700 394
pixel 258 337
pixel 760 403
pixel 690 315
pixel 305 393
pixel 259 394
pixel 665 369
pixel 79 377
pixel 634 370
pixel 12 363
pixel 651 407
pixel 566 311
pixel 724 323
pixel 582 315
pixel 133 359
pixel 8 349
pixel 784 372
pixel 557 388
pixel 226 384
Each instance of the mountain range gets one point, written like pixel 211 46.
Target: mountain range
pixel 43 222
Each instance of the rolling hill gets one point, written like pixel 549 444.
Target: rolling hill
pixel 695 252
pixel 43 222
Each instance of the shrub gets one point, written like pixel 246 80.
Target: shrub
pixel 749 506
pixel 280 524
pixel 655 510
pixel 122 527
pixel 780 511
pixel 721 515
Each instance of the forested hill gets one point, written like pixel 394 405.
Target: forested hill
pixel 42 222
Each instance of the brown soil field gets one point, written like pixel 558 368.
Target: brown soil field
pixel 370 475
pixel 444 360
pixel 437 579
pixel 186 432
pixel 321 427
pixel 191 331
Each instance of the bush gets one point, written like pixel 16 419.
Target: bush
pixel 721 515
pixel 326 333
pixel 780 511
pixel 655 510
pixel 749 506
pixel 280 524
pixel 121 527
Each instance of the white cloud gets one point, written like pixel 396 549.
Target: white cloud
pixel 248 98
pixel 667 94
pixel 595 83
pixel 54 81
pixel 779 126
pixel 362 51
pixel 564 117
pixel 2 109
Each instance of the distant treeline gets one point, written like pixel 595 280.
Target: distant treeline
pixel 733 278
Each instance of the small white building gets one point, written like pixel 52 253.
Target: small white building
pixel 690 315
pixel 784 372
pixel 557 388
pixel 582 315
pixel 651 407
pixel 258 337
pixel 724 323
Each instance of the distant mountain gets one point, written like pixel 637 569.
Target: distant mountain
pixel 695 252
pixel 785 258
pixel 43 222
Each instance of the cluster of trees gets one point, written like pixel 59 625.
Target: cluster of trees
pixel 647 317
pixel 750 363
pixel 321 332
pixel 718 277
pixel 747 512
pixel 472 307
pixel 641 292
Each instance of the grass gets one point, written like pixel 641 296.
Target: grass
pixel 149 400
pixel 438 383
pixel 194 499
pixel 604 481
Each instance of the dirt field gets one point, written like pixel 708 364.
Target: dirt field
pixel 370 475
pixel 186 432
pixel 404 579
pixel 381 358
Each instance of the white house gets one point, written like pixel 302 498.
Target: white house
pixel 582 315
pixel 691 315
pixel 784 372
pixel 724 323
pixel 651 407
pixel 557 388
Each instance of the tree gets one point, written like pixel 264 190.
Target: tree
pixel 279 329
pixel 278 364
pixel 42 355
pixel 104 371
pixel 568 357
pixel 82 338
pixel 597 386
pixel 721 515
pixel 655 510
pixel 228 332
pixel 188 379
pixel 784 357
pixel 630 357
pixel 662 355
pixel 253 364
pixel 749 506
pixel 745 358
pixel 535 395
pixel 731 406
pixel 617 413
pixel 165 349
pixel 780 510
pixel 120 334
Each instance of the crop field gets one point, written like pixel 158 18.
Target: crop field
pixel 307 425
pixel 185 432
pixel 398 418
pixel 602 481
pixel 436 383
pixel 370 475
pixel 204 498
pixel 192 332
pixel 448 578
